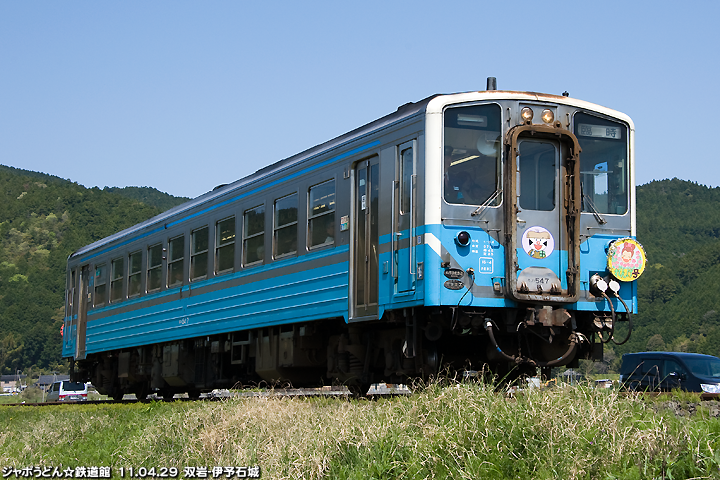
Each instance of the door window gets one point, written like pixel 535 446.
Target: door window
pixel 538 173
pixel 406 173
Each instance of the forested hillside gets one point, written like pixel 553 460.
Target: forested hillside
pixel 42 220
pixel 679 293
pixel 148 196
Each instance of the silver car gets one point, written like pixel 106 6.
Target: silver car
pixel 67 391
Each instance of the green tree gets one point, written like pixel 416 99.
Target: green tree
pixel 656 343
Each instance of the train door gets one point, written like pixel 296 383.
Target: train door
pixel 80 306
pixel 365 271
pixel 543 255
pixel 539 223
pixel 70 315
pixel 404 219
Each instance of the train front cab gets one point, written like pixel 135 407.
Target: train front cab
pixel 523 230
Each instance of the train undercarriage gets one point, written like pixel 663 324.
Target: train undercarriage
pixel 409 343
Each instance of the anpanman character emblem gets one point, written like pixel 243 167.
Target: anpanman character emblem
pixel 538 242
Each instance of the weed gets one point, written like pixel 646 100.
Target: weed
pixel 448 429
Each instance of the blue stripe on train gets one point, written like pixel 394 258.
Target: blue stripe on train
pixel 304 296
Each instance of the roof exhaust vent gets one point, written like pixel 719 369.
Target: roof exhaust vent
pixel 491 83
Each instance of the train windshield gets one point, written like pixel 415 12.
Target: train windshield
pixel 472 146
pixel 603 164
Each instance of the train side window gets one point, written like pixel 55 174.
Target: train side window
pixel 176 260
pixel 154 272
pixel 199 254
pixel 100 295
pixel 135 274
pixel 116 279
pixel 254 235
pixel 321 214
pixel 225 245
pixel 285 228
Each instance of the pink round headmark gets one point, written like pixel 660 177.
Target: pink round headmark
pixel 626 259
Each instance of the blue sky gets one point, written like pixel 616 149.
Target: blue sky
pixel 183 96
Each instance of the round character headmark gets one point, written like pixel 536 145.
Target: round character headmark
pixel 626 259
pixel 538 242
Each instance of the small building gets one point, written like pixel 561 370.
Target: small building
pixel 46 380
pixel 12 383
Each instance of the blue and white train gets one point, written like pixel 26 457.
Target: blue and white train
pixel 489 227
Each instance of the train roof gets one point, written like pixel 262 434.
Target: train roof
pixel 403 112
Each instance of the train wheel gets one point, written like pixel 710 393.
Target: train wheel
pixel 118 395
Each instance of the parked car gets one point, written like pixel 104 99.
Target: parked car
pixel 604 383
pixel 67 391
pixel 664 371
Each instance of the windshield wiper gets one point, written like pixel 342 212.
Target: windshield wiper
pixel 600 219
pixel 481 208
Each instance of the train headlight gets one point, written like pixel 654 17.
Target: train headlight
pixel 526 114
pixel 548 116
pixel 463 239
pixel 710 387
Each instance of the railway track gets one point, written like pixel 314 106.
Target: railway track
pixel 376 390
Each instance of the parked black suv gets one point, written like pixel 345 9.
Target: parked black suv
pixel 664 371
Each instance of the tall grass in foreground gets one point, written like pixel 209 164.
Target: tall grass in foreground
pixel 445 431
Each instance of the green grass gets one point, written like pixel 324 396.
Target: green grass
pixel 10 399
pixel 444 431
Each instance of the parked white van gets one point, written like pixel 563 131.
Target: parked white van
pixel 67 391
